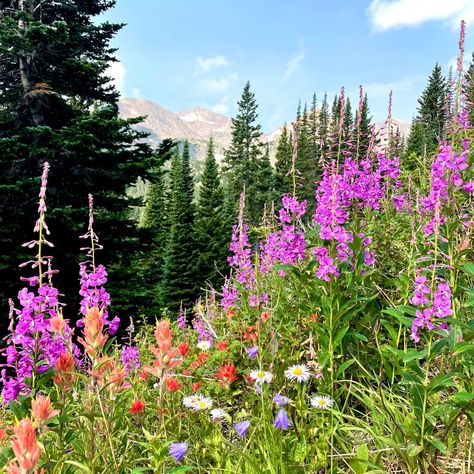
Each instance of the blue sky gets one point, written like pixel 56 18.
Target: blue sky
pixel 188 53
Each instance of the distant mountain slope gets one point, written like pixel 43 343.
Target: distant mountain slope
pixel 198 124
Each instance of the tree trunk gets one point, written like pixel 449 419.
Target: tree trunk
pixel 25 62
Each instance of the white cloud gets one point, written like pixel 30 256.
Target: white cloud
pixel 220 85
pixel 203 65
pixel 222 107
pixel 116 71
pixel 387 14
pixel 382 89
pixel 292 65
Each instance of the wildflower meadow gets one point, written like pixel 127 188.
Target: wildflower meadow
pixel 342 340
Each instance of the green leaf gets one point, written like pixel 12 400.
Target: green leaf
pixel 413 450
pixel 439 382
pixel 360 464
pixel 462 347
pixel 462 397
pixel 343 367
pixel 413 354
pixel 438 444
pixel 468 268
pixel 340 335
pixel 180 469
pixel 82 467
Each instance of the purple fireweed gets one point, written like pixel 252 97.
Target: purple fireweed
pixel 439 306
pixel 93 279
pixel 130 358
pixel 288 245
pixel 33 345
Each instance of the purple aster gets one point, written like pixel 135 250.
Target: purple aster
pixel 282 421
pixel 178 450
pixel 252 351
pixel 242 428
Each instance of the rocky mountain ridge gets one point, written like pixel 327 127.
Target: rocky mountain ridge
pixel 198 124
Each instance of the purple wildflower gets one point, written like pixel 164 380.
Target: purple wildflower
pixel 130 358
pixel 242 428
pixel 178 450
pixel 281 400
pixel 252 351
pixel 282 421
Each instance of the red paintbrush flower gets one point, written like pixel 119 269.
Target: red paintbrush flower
pixel 226 374
pixel 137 407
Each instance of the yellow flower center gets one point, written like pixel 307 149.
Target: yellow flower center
pixel 261 373
pixel 322 402
pixel 202 404
pixel 298 371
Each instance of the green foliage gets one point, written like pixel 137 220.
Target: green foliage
pixel 244 154
pixel 213 229
pixel 179 285
pixel 283 172
pixel 58 106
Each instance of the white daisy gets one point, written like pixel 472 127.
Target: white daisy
pixel 300 373
pixel 203 403
pixel 204 345
pixel 322 402
pixel 260 376
pixel 190 402
pixel 218 414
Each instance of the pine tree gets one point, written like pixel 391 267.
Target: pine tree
pixel 323 130
pixel 241 158
pixel 57 105
pixel 468 89
pixel 416 142
pixel 212 230
pixel 179 285
pixel 347 127
pixel 364 131
pixel 155 226
pixel 307 160
pixel 283 177
pixel 432 109
pixel 262 191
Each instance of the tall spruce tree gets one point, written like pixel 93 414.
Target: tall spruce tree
pixel 262 191
pixel 416 142
pixel 307 158
pixel 283 178
pixel 58 105
pixel 155 227
pixel 468 89
pixel 323 129
pixel 212 227
pixel 364 129
pixel 179 284
pixel 241 158
pixel 432 109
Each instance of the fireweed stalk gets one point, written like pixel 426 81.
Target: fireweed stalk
pixel 93 278
pixel 433 285
pixel 40 335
